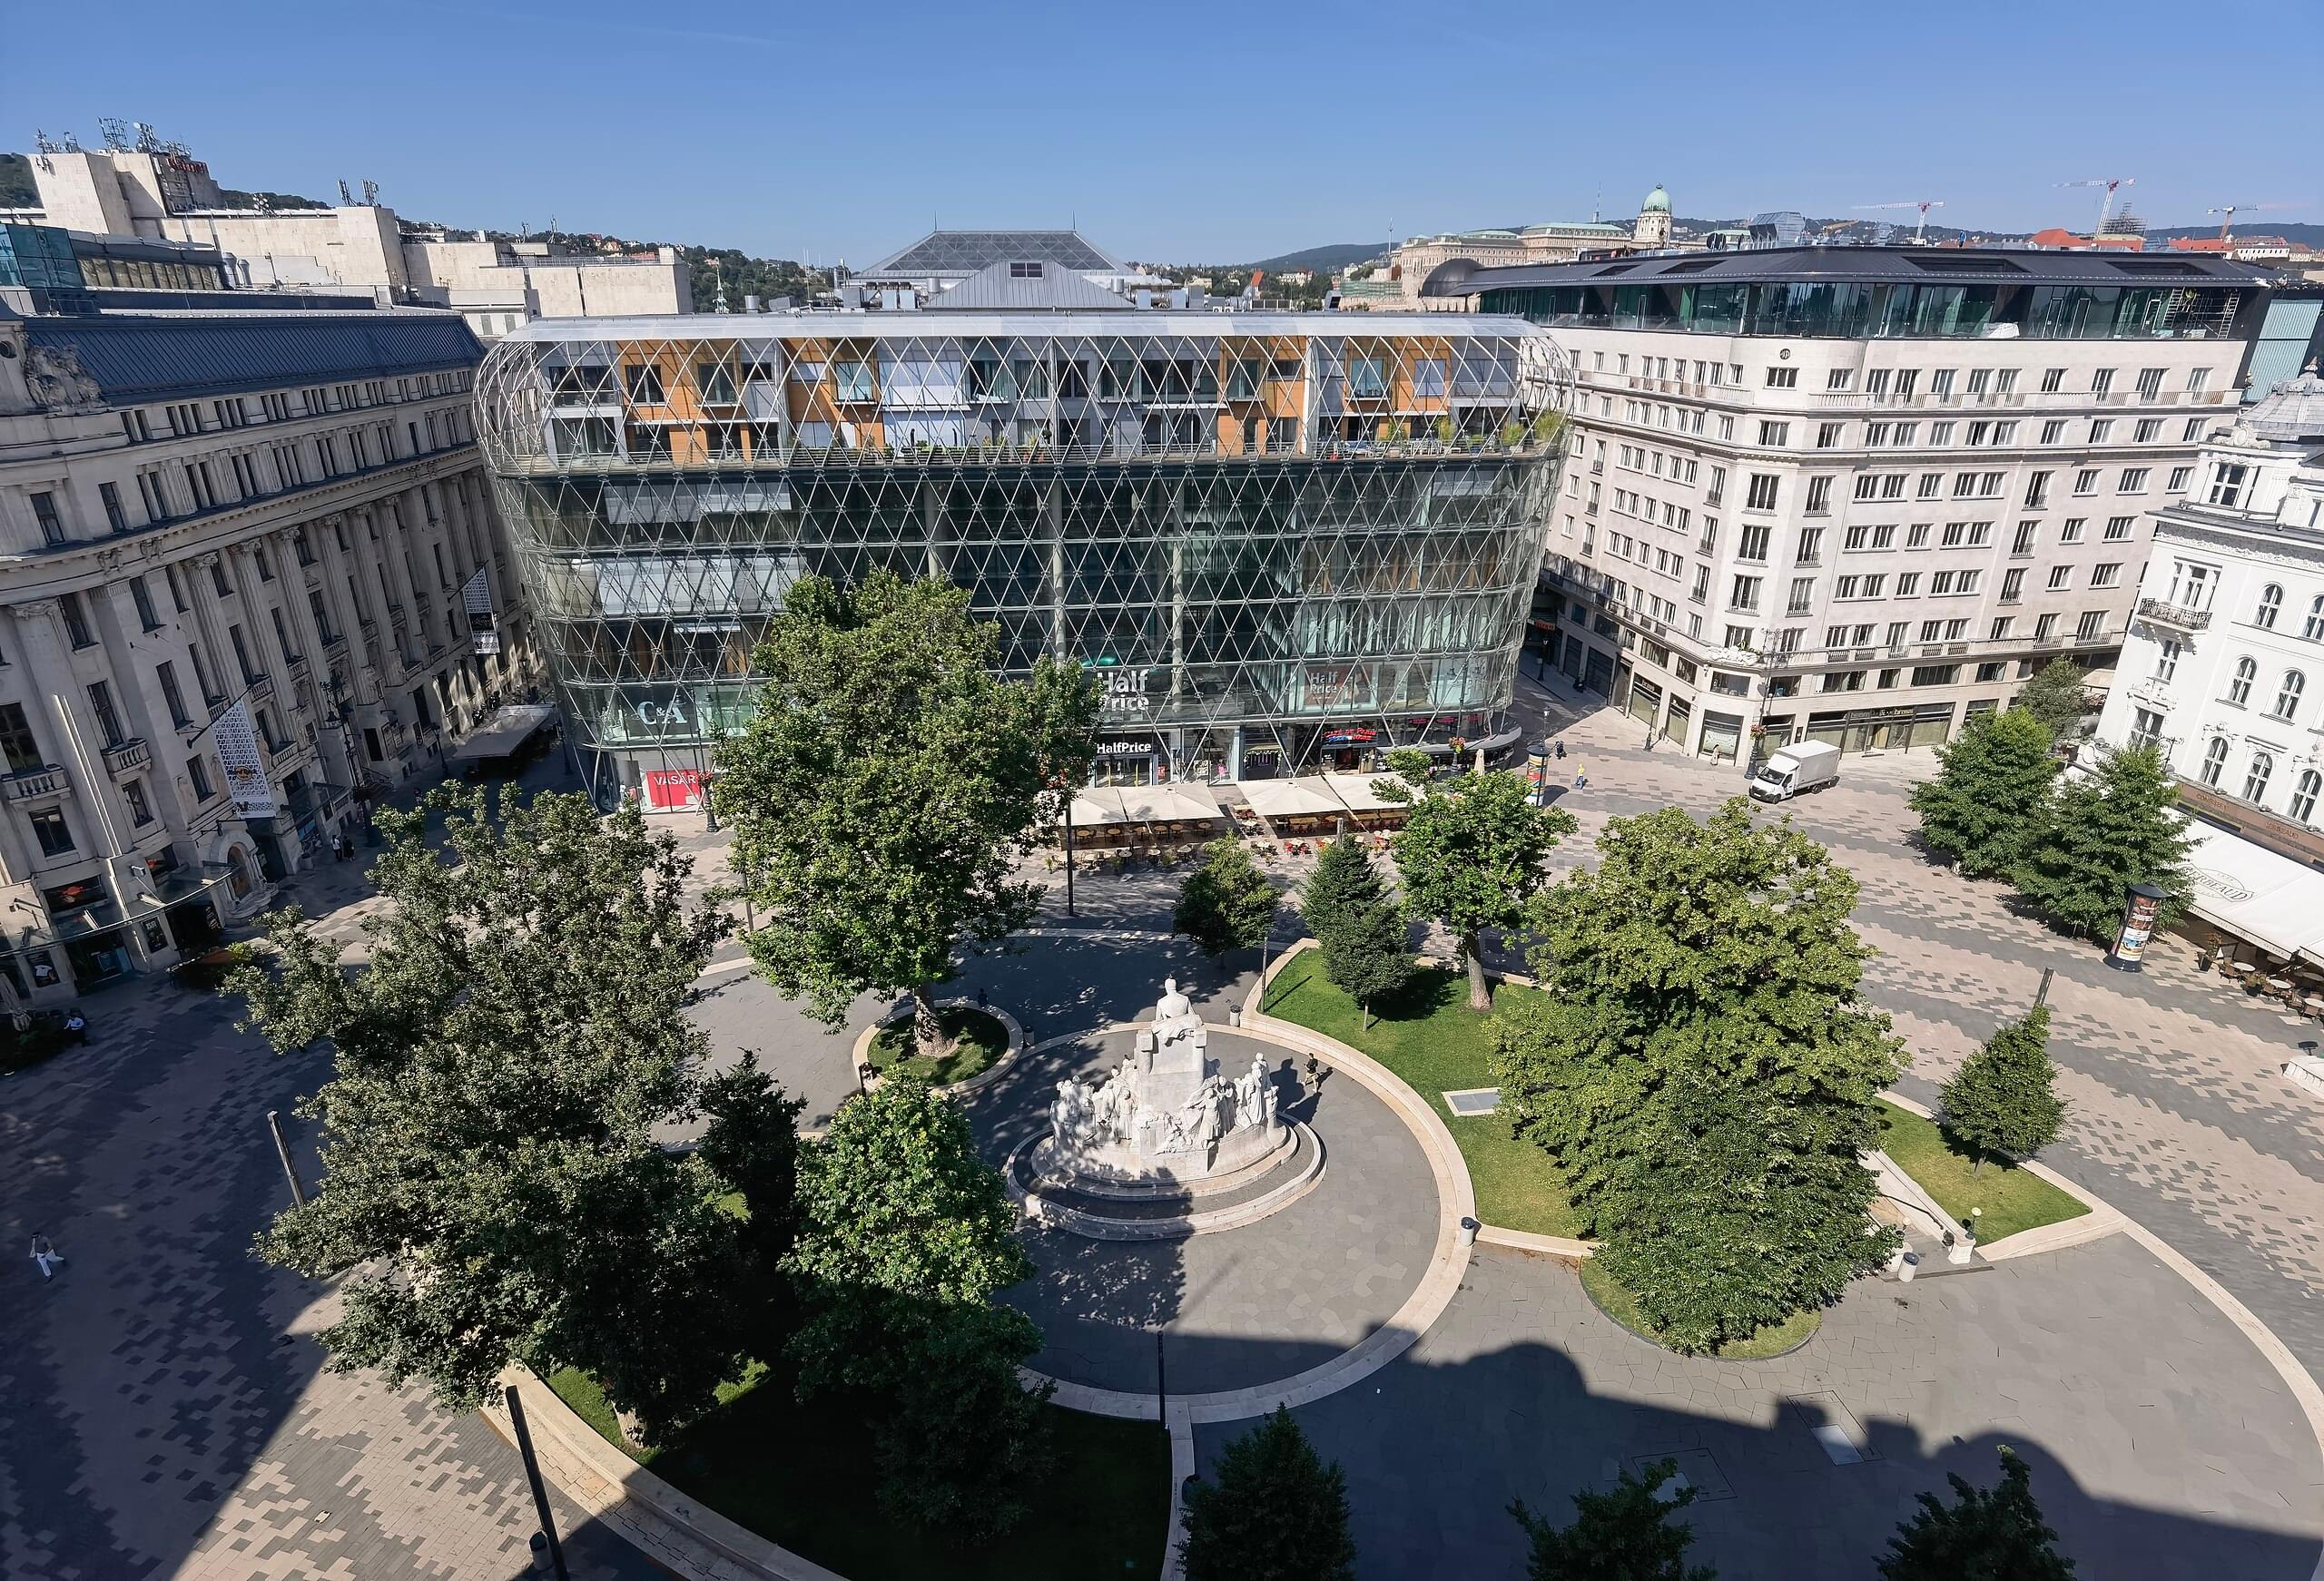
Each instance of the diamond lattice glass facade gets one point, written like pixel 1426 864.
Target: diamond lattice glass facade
pixel 1279 538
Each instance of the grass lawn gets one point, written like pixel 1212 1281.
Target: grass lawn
pixel 1431 1038
pixel 982 1040
pixel 2013 1199
pixel 802 1475
pixel 1618 1303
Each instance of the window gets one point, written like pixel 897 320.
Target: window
pixel 50 828
pixel 1967 535
pixel 116 517
pixel 1737 637
pixel 2070 531
pixel 2271 604
pixel 1783 378
pixel 1942 434
pixel 2023 544
pixel 2166 660
pixel 2146 729
pixel 2085 481
pixel 2255 778
pixel 1753 544
pixel 2045 627
pixel 2149 384
pixel 1916 536
pixel 52 525
pixel 1819 497
pixel 197 773
pixel 1908 584
pixel 1762 495
pixel 2133 481
pixel 1827 436
pixel 1745 594
pixel 2214 760
pixel 2228 480
pixel 2314 630
pixel 141 813
pixel 1935 674
pixel 2147 430
pixel 2180 477
pixel 2303 797
pixel 2037 491
pixel 101 708
pixel 1803 595
pixel 1999 631
pixel 2061 576
pixel 218 576
pixel 2109 574
pixel 2117 529
pixel 1931 483
pixel 1811 546
pixel 644 383
pixel 2054 430
pixel 1774 434
pixel 142 597
pixel 2013 585
pixel 76 620
pixel 1991 670
pixel 2287 696
pixel 166 673
pixel 2239 690
pixel 16 740
pixel 2102 381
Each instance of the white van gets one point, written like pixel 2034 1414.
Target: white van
pixel 1809 766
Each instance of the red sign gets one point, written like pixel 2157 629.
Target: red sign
pixel 673 790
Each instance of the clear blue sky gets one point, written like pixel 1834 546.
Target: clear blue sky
pixel 1195 132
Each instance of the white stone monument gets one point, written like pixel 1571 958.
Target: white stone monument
pixel 1165 1113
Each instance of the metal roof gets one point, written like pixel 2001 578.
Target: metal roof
pixel 143 358
pixel 967 251
pixel 933 324
pixel 1872 265
pixel 1047 287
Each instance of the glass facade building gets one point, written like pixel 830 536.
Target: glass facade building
pixel 1282 540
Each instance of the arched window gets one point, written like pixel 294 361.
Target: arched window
pixel 2238 691
pixel 2255 779
pixel 2271 604
pixel 2314 630
pixel 2288 695
pixel 2215 760
pixel 2303 796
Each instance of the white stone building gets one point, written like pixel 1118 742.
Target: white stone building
pixel 1855 494
pixel 282 511
pixel 2223 667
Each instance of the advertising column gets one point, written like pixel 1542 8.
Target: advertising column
pixel 2140 909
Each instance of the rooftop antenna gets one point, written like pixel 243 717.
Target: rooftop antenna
pixel 2106 204
pixel 346 197
pixel 148 140
pixel 115 131
pixel 371 193
pixel 1922 204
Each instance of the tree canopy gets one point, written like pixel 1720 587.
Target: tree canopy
pixel 500 1065
pixel 1225 903
pixel 1471 854
pixel 881 792
pixel 1986 1534
pixel 1367 954
pixel 2003 1099
pixel 2102 832
pixel 2055 696
pixel 1989 794
pixel 1624 1534
pixel 1271 1511
pixel 1704 1067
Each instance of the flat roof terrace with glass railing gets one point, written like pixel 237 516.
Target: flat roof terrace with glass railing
pixel 1885 293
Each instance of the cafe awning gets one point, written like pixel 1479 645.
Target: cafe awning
pixel 2255 894
pixel 505 732
pixel 1300 797
pixel 1166 804
pixel 1356 791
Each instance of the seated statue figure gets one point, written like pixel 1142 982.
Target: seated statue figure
pixel 1174 1014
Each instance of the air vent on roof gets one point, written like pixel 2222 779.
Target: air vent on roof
pixel 1693 266
pixel 2154 266
pixel 1961 263
pixel 1615 268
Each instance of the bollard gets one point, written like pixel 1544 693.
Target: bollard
pixel 541 1555
pixel 1468 1228
pixel 1234 1017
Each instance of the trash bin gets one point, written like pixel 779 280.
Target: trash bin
pixel 1912 1264
pixel 1468 1228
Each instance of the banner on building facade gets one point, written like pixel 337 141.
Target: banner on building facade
pixel 237 743
pixel 478 595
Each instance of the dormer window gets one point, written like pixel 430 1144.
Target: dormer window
pixel 1022 269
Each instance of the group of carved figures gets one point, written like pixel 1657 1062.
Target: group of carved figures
pixel 1112 1113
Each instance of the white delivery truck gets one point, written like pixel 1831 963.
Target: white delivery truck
pixel 1806 766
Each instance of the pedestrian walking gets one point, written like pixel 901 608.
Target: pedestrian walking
pixel 1581 781
pixel 44 1253
pixel 1560 747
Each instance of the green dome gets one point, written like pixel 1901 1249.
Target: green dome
pixel 1658 201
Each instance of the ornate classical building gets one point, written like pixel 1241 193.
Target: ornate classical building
pixel 239 555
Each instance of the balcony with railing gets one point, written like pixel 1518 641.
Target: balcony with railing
pixel 127 757
pixel 31 784
pixel 2182 616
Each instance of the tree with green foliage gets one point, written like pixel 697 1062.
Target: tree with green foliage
pixel 2102 832
pixel 1271 1511
pixel 882 791
pixel 1471 854
pixel 2056 696
pixel 1624 1534
pixel 1991 790
pixel 906 1236
pixel 1705 1069
pixel 1410 764
pixel 501 1063
pixel 1995 1534
pixel 1341 885
pixel 1226 903
pixel 1369 957
pixel 2003 1099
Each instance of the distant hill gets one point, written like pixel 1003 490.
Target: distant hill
pixel 1322 259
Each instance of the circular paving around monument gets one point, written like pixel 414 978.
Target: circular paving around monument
pixel 1241 1308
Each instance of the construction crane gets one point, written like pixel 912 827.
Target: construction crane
pixel 1922 204
pixel 2230 211
pixel 2106 205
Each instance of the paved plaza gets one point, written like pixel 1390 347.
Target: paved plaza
pixel 168 1417
pixel 1236 1308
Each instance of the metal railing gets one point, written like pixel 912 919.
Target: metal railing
pixel 2184 616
